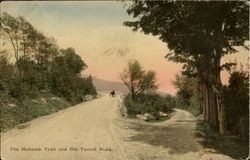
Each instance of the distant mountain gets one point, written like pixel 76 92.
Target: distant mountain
pixel 106 85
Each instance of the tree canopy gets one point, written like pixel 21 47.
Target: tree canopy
pixel 137 79
pixel 39 64
pixel 196 32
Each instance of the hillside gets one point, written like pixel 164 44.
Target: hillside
pixel 105 85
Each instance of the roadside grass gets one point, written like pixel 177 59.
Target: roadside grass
pixel 229 145
pixel 44 104
pixel 194 111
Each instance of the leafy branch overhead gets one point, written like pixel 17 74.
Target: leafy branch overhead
pixel 193 30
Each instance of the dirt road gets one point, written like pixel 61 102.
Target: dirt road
pixel 95 130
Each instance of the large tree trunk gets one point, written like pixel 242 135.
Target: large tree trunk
pixel 209 101
pixel 213 108
pixel 221 116
pixel 205 101
pixel 244 128
pixel 211 90
pixel 217 88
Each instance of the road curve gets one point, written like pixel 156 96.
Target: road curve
pixel 95 130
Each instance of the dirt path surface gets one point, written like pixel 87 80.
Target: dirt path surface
pixel 95 130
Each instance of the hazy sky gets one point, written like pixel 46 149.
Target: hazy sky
pixel 96 31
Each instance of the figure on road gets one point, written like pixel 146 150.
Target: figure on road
pixel 112 94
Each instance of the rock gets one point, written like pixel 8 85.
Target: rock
pixel 147 115
pixel 152 118
pixel 142 117
pixel 55 98
pixel 34 101
pixel 210 150
pixel 43 100
pixel 89 97
pixel 12 105
pixel 162 114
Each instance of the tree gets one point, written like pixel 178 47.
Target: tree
pixel 236 96
pixel 39 64
pixel 137 79
pixel 88 86
pixel 187 96
pixel 198 34
pixel 6 77
pixel 73 61
pixel 27 42
pixel 66 69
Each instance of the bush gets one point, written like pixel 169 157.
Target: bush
pixel 235 99
pixel 147 103
pixel 188 94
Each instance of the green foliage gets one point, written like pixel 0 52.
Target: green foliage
pixel 28 110
pixel 66 81
pixel 139 101
pixel 236 100
pixel 187 96
pixel 148 103
pixel 198 33
pixel 138 80
pixel 73 61
pixel 170 100
pixel 134 107
pixel 6 78
pixel 88 86
pixel 39 65
pixel 228 145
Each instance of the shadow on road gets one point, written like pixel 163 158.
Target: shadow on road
pixel 177 138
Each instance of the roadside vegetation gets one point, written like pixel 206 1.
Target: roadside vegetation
pixel 228 145
pixel 142 101
pixel 235 99
pixel 36 76
pixel 187 95
pixel 199 35
pixel 14 114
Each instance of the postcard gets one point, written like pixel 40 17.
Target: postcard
pixel 124 80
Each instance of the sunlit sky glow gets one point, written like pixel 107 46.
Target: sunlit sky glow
pixel 96 31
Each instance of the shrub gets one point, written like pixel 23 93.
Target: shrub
pixel 147 103
pixel 235 99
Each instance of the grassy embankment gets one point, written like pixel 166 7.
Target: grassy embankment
pixel 16 113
